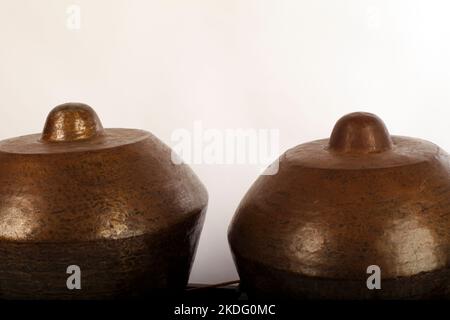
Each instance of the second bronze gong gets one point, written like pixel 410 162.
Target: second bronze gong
pixel 337 207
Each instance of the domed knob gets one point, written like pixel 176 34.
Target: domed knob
pixel 360 132
pixel 71 122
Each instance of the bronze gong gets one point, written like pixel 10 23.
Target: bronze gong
pixel 340 205
pixel 109 201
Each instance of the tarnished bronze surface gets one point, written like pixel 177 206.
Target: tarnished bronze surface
pixel 339 205
pixel 108 200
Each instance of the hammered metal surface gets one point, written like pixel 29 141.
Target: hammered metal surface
pixel 312 229
pixel 112 203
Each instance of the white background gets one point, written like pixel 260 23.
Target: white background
pixel 292 65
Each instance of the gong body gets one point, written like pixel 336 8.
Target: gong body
pixel 109 201
pixel 339 206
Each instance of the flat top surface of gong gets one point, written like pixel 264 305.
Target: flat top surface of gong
pixel 72 127
pixel 404 151
pixel 110 138
pixel 360 140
